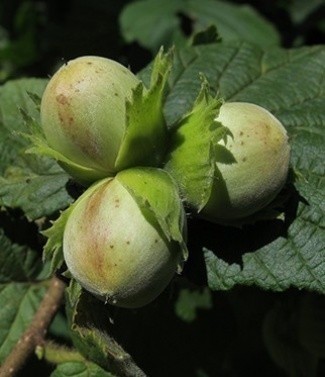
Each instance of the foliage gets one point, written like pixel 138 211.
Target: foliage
pixel 165 18
pixel 245 292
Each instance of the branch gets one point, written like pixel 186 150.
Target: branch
pixel 35 333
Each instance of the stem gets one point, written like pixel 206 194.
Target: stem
pixel 57 354
pixel 35 333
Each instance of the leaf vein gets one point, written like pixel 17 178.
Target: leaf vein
pixel 305 265
pixel 264 266
pixel 226 66
pixel 261 75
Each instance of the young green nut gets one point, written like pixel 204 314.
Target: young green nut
pixel 98 118
pixel 252 166
pixel 115 249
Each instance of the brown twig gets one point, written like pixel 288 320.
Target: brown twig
pixel 35 333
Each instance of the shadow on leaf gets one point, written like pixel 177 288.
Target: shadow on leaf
pixel 17 227
pixel 229 243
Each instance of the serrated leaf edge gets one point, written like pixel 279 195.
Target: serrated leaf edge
pixel 140 97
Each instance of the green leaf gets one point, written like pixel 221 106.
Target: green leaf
pixel 158 22
pixel 234 22
pixel 19 302
pixel 32 183
pixel 89 330
pixel 189 302
pixel 301 10
pixel 79 369
pixel 275 254
pixel 13 96
pixel 241 72
pixel 145 138
pixel 17 262
pixel 36 194
pixel 192 159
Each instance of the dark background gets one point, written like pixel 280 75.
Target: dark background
pixel 45 33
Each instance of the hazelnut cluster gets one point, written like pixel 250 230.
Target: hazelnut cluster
pixel 125 236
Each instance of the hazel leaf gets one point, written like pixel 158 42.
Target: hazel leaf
pixel 17 262
pixel 162 22
pixel 34 184
pixel 284 252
